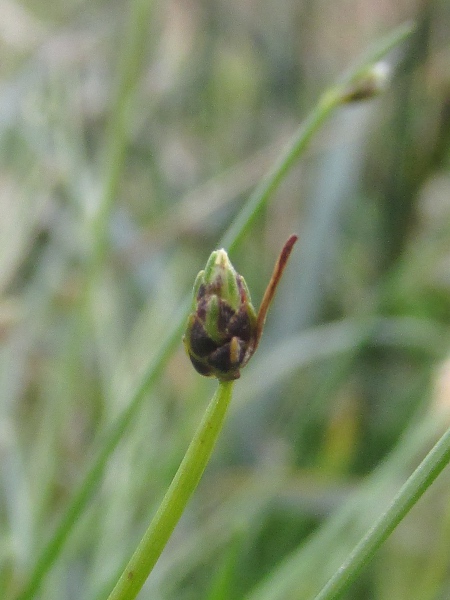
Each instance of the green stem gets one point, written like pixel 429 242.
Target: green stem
pixel 272 180
pixel 176 498
pixel 330 100
pixel 234 234
pixel 432 465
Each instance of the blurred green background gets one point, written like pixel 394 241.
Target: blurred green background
pixel 131 134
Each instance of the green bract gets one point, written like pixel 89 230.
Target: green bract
pixel 221 333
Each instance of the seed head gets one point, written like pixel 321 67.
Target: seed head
pixel 223 329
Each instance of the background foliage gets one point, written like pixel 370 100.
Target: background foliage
pixel 127 145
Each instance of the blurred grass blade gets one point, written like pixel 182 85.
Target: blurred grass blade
pixel 116 141
pixel 417 484
pixel 93 475
pixel 302 572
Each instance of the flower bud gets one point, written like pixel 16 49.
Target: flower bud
pixel 221 331
pixel 371 83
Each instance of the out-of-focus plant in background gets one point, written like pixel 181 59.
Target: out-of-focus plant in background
pixel 131 134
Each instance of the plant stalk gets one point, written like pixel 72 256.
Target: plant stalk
pixel 415 486
pixel 176 498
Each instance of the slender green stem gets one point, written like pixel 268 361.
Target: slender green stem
pixel 258 199
pixel 330 100
pixel 176 498
pixel 432 465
